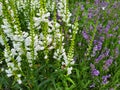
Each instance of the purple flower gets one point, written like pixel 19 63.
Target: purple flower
pixel 109 35
pixel 91 27
pixel 99 58
pixel 85 35
pixel 95 48
pixel 105 79
pixel 119 42
pixel 97 1
pixel 100 28
pixel 107 52
pixel 115 5
pixel 92 66
pixel 95 41
pixel 108 62
pixel 99 46
pixel 116 52
pixel 102 39
pixel 116 28
pixel 95 72
pixel 90 15
pixel 107 28
pixel 92 86
pixel 82 7
pixel 104 4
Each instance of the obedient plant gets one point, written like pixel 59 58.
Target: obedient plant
pixel 41 34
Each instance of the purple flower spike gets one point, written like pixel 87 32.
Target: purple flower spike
pixel 82 7
pixel 95 41
pixel 100 28
pixel 97 1
pixel 105 79
pixel 107 52
pixel 104 4
pixel 90 15
pixel 102 39
pixel 85 35
pixel 108 62
pixel 116 28
pixel 95 72
pixel 107 28
pixel 99 46
pixel 99 58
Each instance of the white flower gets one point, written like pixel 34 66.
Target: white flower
pixel 40 42
pixel 37 21
pixel 2 69
pixel 1 40
pixel 58 35
pixel 9 74
pixel 1 62
pixel 37 47
pixel 57 25
pixel 6 53
pixel 0 8
pixel 5 21
pixel 13 52
pixel 17 45
pixel 19 75
pixel 46 15
pixel 10 65
pixel 66 62
pixel 15 26
pixel 17 38
pixel 36 41
pixel 45 57
pixel 25 34
pixel 54 57
pixel 19 65
pixel 51 47
pixel 27 41
pixel 6 28
pixel 8 59
pixel 19 81
pixel 12 13
pixel 49 39
pixel 103 8
pixel 72 62
pixel 30 65
pixel 49 30
pixel 41 48
pixel 41 36
pixel 18 58
pixel 69 70
pixel 29 55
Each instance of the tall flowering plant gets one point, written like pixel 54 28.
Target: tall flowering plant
pixel 32 33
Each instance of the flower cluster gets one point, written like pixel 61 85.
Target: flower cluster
pixel 41 35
